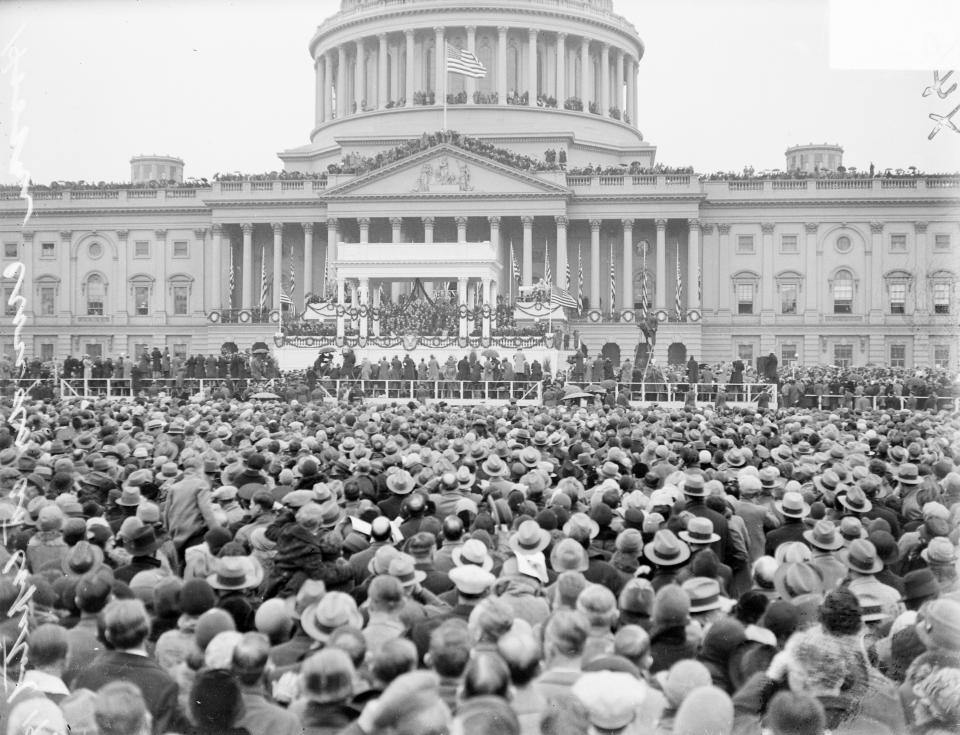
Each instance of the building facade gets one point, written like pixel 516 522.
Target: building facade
pixel 548 165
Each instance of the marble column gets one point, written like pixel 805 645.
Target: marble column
pixel 318 80
pixel 461 229
pixel 634 105
pixel 495 238
pixel 561 69
pixel 630 80
pixel 767 280
pixel 246 265
pixel 585 94
pixel 411 64
pixel 874 267
pixel 343 108
pixel 216 265
pixel 462 301
pixel 560 277
pixel 427 229
pixel 328 113
pixel 486 295
pixel 814 285
pixel 627 288
pixel 595 225
pixel 440 63
pixel 693 264
pixel 618 98
pixel 396 230
pixel 358 75
pixel 527 264
pixel 332 240
pixel 277 264
pixel 604 102
pixel 307 258
pixel 364 223
pixel 383 84
pixel 532 66
pixel 660 302
pixel 502 64
pixel 471 83
pixel 363 293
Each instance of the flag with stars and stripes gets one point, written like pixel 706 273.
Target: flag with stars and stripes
pixel 679 299
pixel 547 275
pixel 232 281
pixel 579 280
pixel 514 266
pixel 264 284
pixel 293 277
pixel 461 61
pixel 566 277
pixel 699 285
pixel 613 281
pixel 644 294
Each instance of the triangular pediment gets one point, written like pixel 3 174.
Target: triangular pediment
pixel 445 171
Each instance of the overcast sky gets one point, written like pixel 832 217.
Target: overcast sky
pixel 225 85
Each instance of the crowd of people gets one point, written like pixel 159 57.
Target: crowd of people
pixel 245 566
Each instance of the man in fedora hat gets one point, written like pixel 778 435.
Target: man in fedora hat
pixel 825 542
pixel 188 511
pixel 695 492
pixel 142 547
pixel 757 517
pixel 793 509
pixel 234 579
pixel 863 563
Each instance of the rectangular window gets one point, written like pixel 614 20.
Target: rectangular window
pixel 180 299
pixel 788 244
pixel 843 355
pixel 898 243
pixel 8 309
pixel 788 298
pixel 180 249
pixel 941 298
pixel 843 297
pixel 898 356
pixel 46 351
pixel 48 250
pixel 48 301
pixel 898 298
pixel 141 249
pixel 745 352
pixel 179 349
pixel 745 244
pixel 941 241
pixel 744 298
pixel 941 356
pixel 788 353
pixel 11 250
pixel 141 300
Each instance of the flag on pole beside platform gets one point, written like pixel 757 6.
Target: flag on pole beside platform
pixel 232 281
pixel 547 275
pixel 579 280
pixel 699 285
pixel 566 277
pixel 613 281
pixel 461 61
pixel 679 299
pixel 293 276
pixel 263 278
pixel 644 294
pixel 514 266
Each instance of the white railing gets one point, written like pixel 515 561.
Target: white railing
pixel 665 392
pixel 523 393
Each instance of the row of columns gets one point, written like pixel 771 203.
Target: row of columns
pixel 335 100
pixel 249 298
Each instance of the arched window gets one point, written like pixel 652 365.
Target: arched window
pixel 843 292
pixel 96 293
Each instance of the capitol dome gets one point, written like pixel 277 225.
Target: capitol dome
pixel 560 74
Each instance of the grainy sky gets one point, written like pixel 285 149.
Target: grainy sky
pixel 225 85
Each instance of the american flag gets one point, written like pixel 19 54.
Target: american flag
pixel 514 266
pixel 679 299
pixel 232 282
pixel 293 276
pixel 547 275
pixel 644 295
pixel 562 297
pixel 264 286
pixel 699 285
pixel 579 280
pixel 461 61
pixel 566 277
pixel 613 281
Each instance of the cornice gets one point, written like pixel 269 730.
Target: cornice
pixel 634 197
pixel 39 213
pixel 279 203
pixel 811 202
pixel 440 197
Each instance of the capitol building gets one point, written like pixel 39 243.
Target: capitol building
pixel 415 180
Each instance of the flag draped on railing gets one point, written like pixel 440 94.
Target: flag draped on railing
pixel 679 299
pixel 613 281
pixel 644 294
pixel 562 297
pixel 263 278
pixel 461 61
pixel 579 280
pixel 232 281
